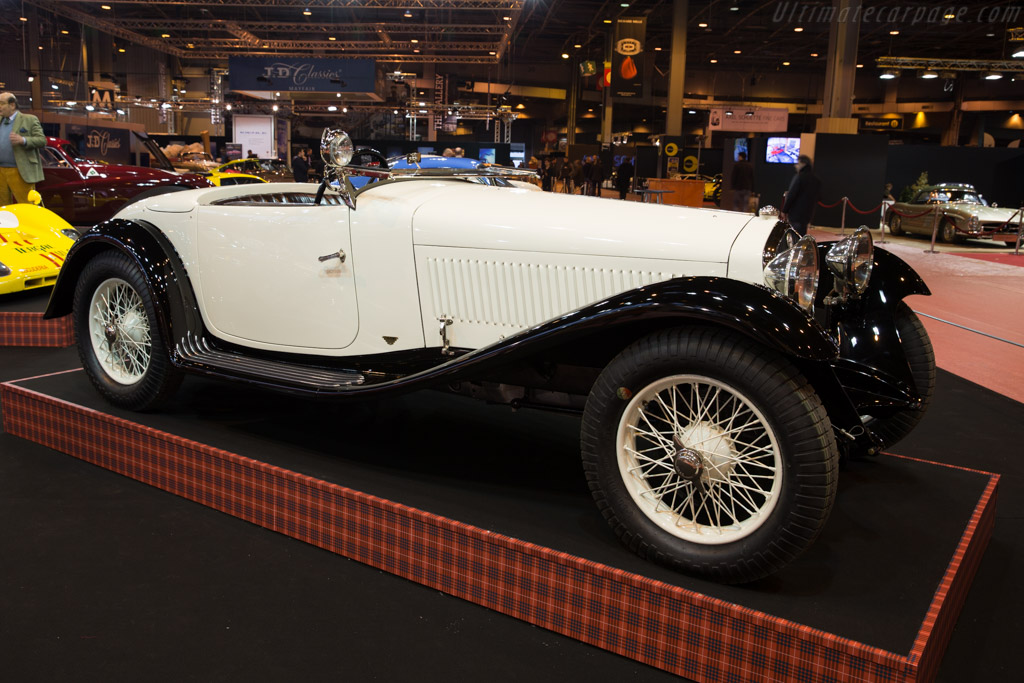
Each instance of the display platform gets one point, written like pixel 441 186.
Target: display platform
pixel 491 507
pixel 22 323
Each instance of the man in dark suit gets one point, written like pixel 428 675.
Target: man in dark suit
pixel 21 136
pixel 802 197
pixel 300 167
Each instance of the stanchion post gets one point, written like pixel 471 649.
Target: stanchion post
pixel 881 222
pixel 935 229
pixel 844 216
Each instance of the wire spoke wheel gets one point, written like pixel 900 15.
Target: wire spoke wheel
pixel 709 453
pixel 699 459
pixel 119 335
pixel 119 331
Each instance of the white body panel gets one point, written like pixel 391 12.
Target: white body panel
pixel 494 260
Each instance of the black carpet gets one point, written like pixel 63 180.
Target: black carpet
pixel 107 570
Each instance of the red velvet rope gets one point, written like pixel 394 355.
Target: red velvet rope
pixel 830 206
pixel 856 210
pixel 911 215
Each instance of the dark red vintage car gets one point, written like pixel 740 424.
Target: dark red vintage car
pixel 85 192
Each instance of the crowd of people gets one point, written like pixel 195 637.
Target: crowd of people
pixel 580 176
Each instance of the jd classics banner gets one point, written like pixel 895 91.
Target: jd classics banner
pixel 302 74
pixel 628 57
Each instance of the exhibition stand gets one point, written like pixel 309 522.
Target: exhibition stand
pixel 489 506
pixel 22 322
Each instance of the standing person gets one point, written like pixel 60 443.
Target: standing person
pixel 802 197
pixel 624 177
pixel 546 175
pixel 300 167
pixel 742 182
pixel 577 175
pixel 21 136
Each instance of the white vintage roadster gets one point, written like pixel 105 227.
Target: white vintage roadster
pixel 721 366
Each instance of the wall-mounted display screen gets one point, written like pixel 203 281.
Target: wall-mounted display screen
pixel 782 150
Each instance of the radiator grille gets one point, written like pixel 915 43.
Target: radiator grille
pixel 518 295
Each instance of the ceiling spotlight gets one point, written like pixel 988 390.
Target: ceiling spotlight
pixel 120 49
pixel 749 113
pixel 307 12
pixel 713 61
pixel 89 107
pixel 331 38
pixel 929 74
pixel 71 104
pixel 1019 53
pixel 737 52
pixel 408 14
pixel 337 94
pixel 728 112
pixel 414 40
pixel 165 35
pixel 63 31
pixel 55 86
pixel 785 64
pixel 344 110
pixel 691 111
pixel 277 94
pixel 275 107
pixel 607 21
pixel 702 24
pixel 332 108
pixel 104 6
pixel 23 18
pixel 657 49
pixel 565 55
pixel 949 17
pixel 577 46
pixel 506 18
pixel 520 106
pixel 992 75
pixel 31 78
pixel 734 8
pixel 894 33
pixel 860 66
pixel 492 53
pixel 798 29
pixel 889 74
pixel 814 54
pixel 120 112
pixel 228 107
pixel 394 111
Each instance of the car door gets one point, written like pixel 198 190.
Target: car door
pixel 63 188
pixel 278 274
pixel 921 224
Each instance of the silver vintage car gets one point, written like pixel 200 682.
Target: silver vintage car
pixel 961 213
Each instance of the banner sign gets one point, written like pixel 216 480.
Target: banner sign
pixel 302 74
pixel 750 120
pixel 255 134
pixel 869 123
pixel 112 145
pixel 628 57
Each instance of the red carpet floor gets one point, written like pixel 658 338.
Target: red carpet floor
pixel 1008 259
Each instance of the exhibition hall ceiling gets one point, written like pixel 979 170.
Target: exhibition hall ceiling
pixel 744 35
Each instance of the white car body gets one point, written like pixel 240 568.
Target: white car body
pixel 426 250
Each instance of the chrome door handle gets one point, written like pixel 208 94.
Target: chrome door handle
pixel 338 255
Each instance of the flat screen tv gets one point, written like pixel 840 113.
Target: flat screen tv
pixel 782 150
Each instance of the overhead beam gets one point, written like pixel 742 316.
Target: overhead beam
pixel 511 5
pixel 1011 66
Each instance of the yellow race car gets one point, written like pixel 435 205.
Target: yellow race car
pixel 33 244
pixel 223 179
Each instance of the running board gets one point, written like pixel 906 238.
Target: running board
pixel 197 353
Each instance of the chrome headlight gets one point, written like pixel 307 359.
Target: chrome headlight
pixel 336 148
pixel 851 260
pixel 4 270
pixel 69 232
pixel 794 272
pixel 973 224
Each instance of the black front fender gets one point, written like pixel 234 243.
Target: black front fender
pixel 153 253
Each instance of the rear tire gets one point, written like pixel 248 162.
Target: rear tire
pixel 119 337
pixel 710 454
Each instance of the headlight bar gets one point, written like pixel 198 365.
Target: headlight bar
pixel 850 260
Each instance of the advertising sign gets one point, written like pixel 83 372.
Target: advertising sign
pixel 112 145
pixel 750 119
pixel 628 56
pixel 302 74
pixel 255 133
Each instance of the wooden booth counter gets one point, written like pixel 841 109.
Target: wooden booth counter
pixel 682 192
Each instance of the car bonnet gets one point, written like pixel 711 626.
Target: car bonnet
pixel 480 217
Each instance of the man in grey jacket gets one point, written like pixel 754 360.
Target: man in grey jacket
pixel 21 136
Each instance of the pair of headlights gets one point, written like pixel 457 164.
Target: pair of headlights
pixel 794 272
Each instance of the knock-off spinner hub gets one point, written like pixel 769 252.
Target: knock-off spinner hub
pixel 688 464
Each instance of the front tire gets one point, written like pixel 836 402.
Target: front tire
pixel 921 358
pixel 118 334
pixel 895 224
pixel 710 454
pixel 947 232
